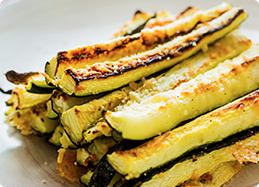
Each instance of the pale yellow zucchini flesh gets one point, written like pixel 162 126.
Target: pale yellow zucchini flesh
pixel 165 110
pixel 123 46
pixel 106 76
pixel 227 47
pixel 235 117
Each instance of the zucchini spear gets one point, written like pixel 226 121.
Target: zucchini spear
pixel 242 147
pixel 123 46
pixel 165 110
pixel 106 76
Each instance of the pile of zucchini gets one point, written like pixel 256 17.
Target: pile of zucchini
pixel 168 101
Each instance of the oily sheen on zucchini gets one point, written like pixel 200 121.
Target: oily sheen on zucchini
pixel 108 75
pixel 128 45
pixel 235 117
pixel 165 110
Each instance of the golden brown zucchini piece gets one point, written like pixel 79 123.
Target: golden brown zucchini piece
pixel 33 120
pixel 165 110
pixel 120 47
pixel 106 76
pixel 242 151
pixel 235 117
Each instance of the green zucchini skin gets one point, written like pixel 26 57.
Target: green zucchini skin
pixel 104 172
pixel 39 90
pixel 197 152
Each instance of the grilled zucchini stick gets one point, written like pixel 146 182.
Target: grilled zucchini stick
pixel 165 110
pixel 226 48
pixel 82 117
pixel 235 117
pixel 243 151
pixel 106 76
pixel 124 46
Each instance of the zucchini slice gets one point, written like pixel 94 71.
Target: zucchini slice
pixel 242 147
pixel 165 110
pixel 235 117
pixel 20 98
pixel 106 76
pixel 128 45
pixel 79 118
pixel 227 47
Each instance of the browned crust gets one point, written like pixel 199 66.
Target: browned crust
pixel 105 70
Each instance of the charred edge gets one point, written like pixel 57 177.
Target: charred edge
pixel 81 53
pixel 140 27
pixel 9 92
pixel 153 58
pixel 59 121
pixel 195 153
pixel 19 78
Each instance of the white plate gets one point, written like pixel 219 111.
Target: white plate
pixel 32 31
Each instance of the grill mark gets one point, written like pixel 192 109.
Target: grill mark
pixel 81 53
pixel 179 49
